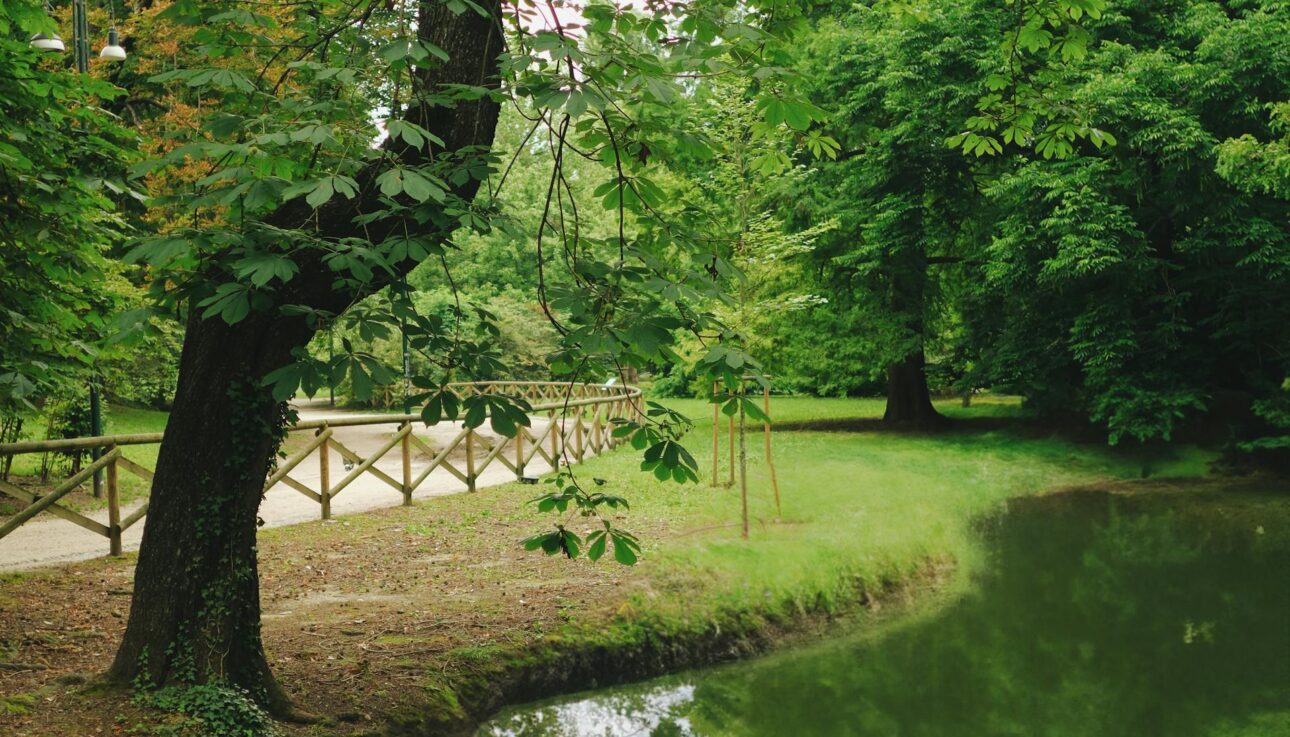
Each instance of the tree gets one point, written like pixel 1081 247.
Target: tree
pixel 1133 285
pixel 297 217
pixel 903 200
pixel 195 613
pixel 62 165
pixel 726 191
pixel 1263 167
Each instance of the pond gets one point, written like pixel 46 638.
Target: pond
pixel 1090 615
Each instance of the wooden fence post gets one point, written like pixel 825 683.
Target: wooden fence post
pixel 578 450
pixel 470 459
pixel 519 452
pixel 407 465
pixel 114 507
pixel 324 476
pixel 556 431
pixel 609 423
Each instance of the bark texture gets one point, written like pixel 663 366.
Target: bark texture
pixel 195 615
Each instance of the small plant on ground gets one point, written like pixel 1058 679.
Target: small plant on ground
pixel 211 710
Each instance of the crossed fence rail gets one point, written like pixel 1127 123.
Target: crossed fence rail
pixel 579 422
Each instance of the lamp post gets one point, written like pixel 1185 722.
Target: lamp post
pixel 96 429
pixel 81 41
pixel 407 357
pixel 81 53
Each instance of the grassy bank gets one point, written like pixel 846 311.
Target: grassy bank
pixel 425 618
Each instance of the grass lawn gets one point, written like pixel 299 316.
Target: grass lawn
pixel 431 615
pixel 857 506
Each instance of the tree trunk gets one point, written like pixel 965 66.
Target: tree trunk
pixel 196 610
pixel 908 400
pixel 195 616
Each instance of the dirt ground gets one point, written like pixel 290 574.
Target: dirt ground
pixel 363 617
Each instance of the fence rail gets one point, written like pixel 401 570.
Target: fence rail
pixel 578 422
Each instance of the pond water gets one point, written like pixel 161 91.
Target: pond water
pixel 1090 616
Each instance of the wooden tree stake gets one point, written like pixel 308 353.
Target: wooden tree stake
pixel 716 435
pixel 770 463
pixel 743 459
pixel 730 430
pixel 407 466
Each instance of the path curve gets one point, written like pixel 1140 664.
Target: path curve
pixel 50 541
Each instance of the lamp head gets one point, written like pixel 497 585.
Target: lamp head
pixel 113 51
pixel 48 43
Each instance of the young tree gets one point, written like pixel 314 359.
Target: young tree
pixel 727 193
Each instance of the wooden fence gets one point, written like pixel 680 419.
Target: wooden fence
pixel 578 422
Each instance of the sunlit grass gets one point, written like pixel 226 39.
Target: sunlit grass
pixel 860 507
pixel 805 409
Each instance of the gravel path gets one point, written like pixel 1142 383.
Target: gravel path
pixel 48 540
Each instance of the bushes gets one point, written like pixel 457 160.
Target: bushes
pixel 145 373
pixel 67 415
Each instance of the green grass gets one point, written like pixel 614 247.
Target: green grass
pixel 860 507
pixel 118 421
pixel 805 409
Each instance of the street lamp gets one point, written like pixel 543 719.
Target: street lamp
pixel 48 43
pixel 113 51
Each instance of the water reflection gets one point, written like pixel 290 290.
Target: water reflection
pixel 653 711
pixel 1096 617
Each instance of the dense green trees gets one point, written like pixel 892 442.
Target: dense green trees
pixel 1135 285
pixel 62 174
pixel 1123 264
pixel 1083 204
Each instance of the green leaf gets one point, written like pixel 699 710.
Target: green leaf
pixel 261 268
pixel 321 193
pixel 598 540
pixel 625 549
